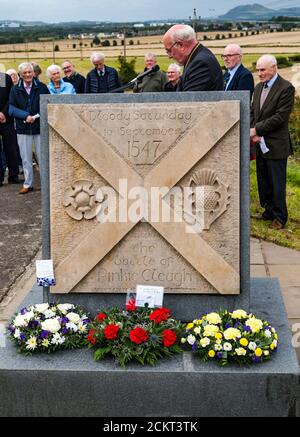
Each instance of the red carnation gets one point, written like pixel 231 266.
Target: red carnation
pixel 100 317
pixel 169 337
pixel 91 337
pixel 160 314
pixel 111 331
pixel 130 305
pixel 138 335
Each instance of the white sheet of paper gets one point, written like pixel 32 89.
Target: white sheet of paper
pixel 150 294
pixel 44 268
pixel 263 146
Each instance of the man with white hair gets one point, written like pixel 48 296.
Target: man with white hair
pixel 272 104
pixel 155 81
pixel 101 79
pixel 173 74
pixel 201 72
pixel 237 77
pixel 24 106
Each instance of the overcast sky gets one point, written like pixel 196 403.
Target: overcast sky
pixel 121 10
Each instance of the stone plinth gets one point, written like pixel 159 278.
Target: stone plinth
pixel 69 383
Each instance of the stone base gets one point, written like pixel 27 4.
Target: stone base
pixel 72 384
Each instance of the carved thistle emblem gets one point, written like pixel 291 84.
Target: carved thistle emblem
pixel 209 198
pixel 83 200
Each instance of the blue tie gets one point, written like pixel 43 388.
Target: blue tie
pixel 226 78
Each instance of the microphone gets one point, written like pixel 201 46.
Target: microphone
pixel 139 77
pixel 145 73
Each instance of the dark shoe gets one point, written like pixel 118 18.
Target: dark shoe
pixel 264 216
pixel 25 190
pixel 14 181
pixel 276 224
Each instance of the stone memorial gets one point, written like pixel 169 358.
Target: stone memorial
pixel 144 192
pixel 103 158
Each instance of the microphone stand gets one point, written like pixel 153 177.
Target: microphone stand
pixel 133 81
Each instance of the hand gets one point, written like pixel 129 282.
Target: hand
pixel 256 139
pixel 253 132
pixel 30 119
pixel 2 118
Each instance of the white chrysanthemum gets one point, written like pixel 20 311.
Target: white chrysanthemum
pixel 183 340
pixel 197 330
pixel 268 333
pixel 275 343
pixel 191 339
pixel 252 346
pixel 17 333
pixel 266 353
pixel 31 343
pixel 82 327
pixel 41 307
pixel 65 307
pixel 213 318
pixel 227 346
pixel 72 326
pixel 240 351
pixel 51 325
pixel 73 317
pixel 204 342
pixel 57 339
pixel 49 313
pixel 45 343
pixel 20 321
pixel 218 347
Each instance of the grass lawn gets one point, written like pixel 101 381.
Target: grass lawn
pixel 290 235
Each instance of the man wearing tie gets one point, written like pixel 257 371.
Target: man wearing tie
pixel 237 77
pixel 101 79
pixel 273 101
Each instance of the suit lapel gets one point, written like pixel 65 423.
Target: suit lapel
pixel 272 92
pixel 235 78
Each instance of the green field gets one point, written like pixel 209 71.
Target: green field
pixel 84 66
pixel 290 235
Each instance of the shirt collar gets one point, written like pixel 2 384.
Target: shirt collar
pixel 271 81
pixel 234 70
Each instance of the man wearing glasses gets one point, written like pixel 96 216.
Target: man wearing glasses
pixel 71 76
pixel 237 77
pixel 201 72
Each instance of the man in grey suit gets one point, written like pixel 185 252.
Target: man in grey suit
pixel 201 72
pixel 273 101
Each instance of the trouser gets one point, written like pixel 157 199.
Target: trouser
pixel 25 145
pixel 10 148
pixel 271 180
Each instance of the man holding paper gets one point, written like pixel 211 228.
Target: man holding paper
pixel 272 104
pixel 24 106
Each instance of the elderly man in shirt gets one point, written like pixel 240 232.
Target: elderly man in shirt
pixel 237 77
pixel 272 104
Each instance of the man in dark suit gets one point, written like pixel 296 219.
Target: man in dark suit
pixel 237 77
pixel 202 72
pixel 8 133
pixel 273 101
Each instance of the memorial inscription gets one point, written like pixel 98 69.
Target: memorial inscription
pixel 108 230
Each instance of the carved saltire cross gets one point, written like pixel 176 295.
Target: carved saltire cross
pixel 192 147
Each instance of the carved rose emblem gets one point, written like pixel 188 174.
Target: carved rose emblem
pixel 82 200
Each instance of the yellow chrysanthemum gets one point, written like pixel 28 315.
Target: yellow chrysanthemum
pixel 199 322
pixel 232 333
pixel 255 324
pixel 189 325
pixel 239 314
pixel 276 336
pixel 258 352
pixel 244 342
pixel 213 318
pixel 210 330
pixel 211 353
pixel 272 347
pixel 218 335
